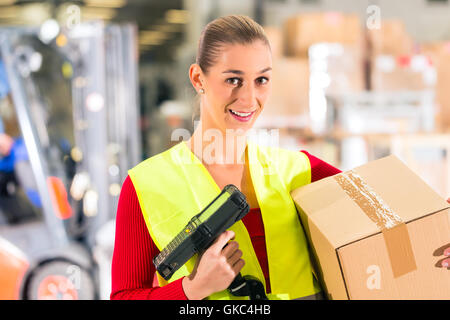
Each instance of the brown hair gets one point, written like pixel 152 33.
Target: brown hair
pixel 230 29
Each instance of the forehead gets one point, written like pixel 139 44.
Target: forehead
pixel 249 58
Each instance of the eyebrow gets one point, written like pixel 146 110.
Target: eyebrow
pixel 241 72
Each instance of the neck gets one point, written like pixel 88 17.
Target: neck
pixel 215 147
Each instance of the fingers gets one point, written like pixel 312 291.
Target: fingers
pixel 446 262
pixel 221 241
pixel 230 249
pixel 447 252
pixel 238 266
pixel 234 258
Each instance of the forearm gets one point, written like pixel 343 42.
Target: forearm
pixel 171 291
pixel 132 270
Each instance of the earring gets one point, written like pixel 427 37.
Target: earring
pixel 202 90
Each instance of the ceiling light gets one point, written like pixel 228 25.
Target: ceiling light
pixel 167 27
pixel 98 13
pixel 6 2
pixel 149 42
pixel 177 16
pixel 9 12
pixel 36 13
pixel 152 36
pixel 12 21
pixel 105 3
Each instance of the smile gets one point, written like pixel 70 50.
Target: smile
pixel 241 116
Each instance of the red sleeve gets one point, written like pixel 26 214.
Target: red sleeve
pixel 320 169
pixel 132 267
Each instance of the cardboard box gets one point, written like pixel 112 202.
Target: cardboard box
pixel 428 155
pixel 391 39
pixel 289 99
pixel 377 232
pixel 407 72
pixel 275 37
pixel 439 54
pixel 340 71
pixel 302 31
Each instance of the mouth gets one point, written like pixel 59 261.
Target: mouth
pixel 241 116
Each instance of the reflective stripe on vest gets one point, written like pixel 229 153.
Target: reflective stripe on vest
pixel 174 185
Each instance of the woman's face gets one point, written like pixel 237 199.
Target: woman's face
pixel 237 86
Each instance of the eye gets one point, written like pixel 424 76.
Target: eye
pixel 262 80
pixel 234 81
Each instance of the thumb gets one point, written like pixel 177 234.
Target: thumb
pixel 222 240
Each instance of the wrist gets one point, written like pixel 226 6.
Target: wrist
pixel 191 290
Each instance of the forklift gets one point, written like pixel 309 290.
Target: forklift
pixel 69 131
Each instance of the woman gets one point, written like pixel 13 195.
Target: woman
pixel 232 75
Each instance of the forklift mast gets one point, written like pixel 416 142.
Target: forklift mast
pixel 22 100
pixel 105 111
pixel 76 102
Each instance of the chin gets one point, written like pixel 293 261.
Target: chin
pixel 243 127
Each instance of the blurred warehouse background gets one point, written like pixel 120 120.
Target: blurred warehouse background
pixel 90 88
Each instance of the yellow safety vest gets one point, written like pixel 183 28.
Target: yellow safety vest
pixel 174 185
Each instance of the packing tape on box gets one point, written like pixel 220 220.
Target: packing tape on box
pixel 394 230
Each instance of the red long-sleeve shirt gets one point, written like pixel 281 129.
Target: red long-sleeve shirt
pixel 132 267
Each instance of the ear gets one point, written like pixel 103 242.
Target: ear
pixel 196 76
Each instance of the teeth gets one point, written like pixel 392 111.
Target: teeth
pixel 241 114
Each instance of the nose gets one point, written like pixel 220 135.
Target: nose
pixel 247 95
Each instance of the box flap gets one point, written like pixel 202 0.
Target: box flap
pixel 342 221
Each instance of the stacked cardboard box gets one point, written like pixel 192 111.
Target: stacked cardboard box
pixel 337 68
pixel 407 72
pixel 289 101
pixel 393 66
pixel 377 232
pixel 428 155
pixel 440 56
pixel 290 89
pixel 302 31
pixel 390 39
pixel 275 37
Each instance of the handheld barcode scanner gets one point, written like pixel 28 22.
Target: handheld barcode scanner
pixel 201 231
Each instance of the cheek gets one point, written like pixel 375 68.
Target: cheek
pixel 218 91
pixel 220 98
pixel 264 94
pixel 217 99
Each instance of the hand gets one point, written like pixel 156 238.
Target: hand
pixel 6 143
pixel 444 262
pixel 444 250
pixel 216 268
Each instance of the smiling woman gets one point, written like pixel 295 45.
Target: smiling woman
pixel 233 98
pixel 233 68
pixel 232 74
